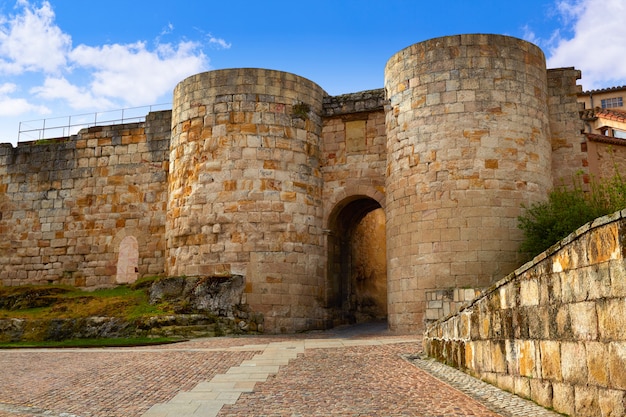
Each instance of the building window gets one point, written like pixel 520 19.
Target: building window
pixel 619 134
pixel 607 103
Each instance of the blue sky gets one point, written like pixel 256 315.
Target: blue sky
pixel 68 57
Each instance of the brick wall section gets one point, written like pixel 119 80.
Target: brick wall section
pixel 568 151
pixel 605 156
pixel 467 144
pixel 442 303
pixel 67 204
pixel 552 331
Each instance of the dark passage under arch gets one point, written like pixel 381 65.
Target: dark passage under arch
pixel 357 262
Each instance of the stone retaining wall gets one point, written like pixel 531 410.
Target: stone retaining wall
pixel 552 331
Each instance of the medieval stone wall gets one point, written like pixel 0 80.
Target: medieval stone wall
pixel 354 148
pixel 67 205
pixel 552 331
pixel 259 173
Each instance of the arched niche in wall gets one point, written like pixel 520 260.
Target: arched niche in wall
pixel 127 261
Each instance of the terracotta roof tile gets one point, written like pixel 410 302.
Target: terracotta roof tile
pixel 605 90
pixel 605 139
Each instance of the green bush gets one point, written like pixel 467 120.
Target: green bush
pixel 545 223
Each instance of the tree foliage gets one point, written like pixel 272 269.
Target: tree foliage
pixel 568 208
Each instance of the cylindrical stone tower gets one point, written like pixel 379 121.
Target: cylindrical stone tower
pixel 245 189
pixel 467 144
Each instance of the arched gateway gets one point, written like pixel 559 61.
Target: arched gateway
pixel 357 262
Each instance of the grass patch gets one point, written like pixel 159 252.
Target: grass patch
pixel 62 302
pixel 92 343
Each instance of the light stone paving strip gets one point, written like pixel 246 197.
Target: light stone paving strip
pixel 207 398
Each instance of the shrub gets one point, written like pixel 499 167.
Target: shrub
pixel 545 223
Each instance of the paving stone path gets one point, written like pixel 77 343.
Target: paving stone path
pixel 358 371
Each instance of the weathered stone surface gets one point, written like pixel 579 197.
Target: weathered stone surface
pixel 498 356
pixel 574 361
pixel 612 403
pixel 612 318
pixel 597 364
pixel 11 330
pixel 541 392
pixel 522 387
pixel 586 401
pixel 178 325
pixel 528 358
pixel 563 398
pixel 551 360
pixel 458 226
pixel 529 293
pixel 617 364
pixel 584 320
pixel 220 296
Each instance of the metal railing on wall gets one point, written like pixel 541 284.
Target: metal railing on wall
pixel 65 126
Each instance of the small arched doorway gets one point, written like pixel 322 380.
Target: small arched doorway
pixel 357 262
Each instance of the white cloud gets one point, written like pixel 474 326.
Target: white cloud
pixel 598 44
pixel 7 88
pixel 136 75
pixel 59 88
pixel 218 42
pixel 30 41
pixel 11 106
pixel 90 77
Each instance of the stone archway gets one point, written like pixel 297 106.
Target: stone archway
pixel 127 261
pixel 357 262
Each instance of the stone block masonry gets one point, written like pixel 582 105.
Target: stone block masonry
pixel 68 204
pixel 552 331
pixel 467 145
pixel 332 209
pixel 441 303
pixel 246 187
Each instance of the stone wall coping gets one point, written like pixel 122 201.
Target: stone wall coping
pixel 362 101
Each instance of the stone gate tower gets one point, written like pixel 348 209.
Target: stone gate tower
pixel 245 189
pixel 468 143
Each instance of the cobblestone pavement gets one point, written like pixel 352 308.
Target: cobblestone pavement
pixel 359 371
